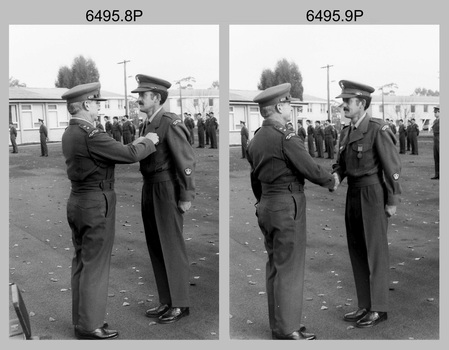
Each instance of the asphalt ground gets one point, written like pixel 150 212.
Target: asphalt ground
pixel 40 250
pixel 329 290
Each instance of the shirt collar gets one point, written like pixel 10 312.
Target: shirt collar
pixel 154 114
pixel 358 122
pixel 83 120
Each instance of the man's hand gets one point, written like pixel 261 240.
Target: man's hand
pixel 153 137
pixel 390 210
pixel 337 182
pixel 139 139
pixel 184 206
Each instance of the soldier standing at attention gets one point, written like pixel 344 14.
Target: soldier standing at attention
pixel 301 131
pixel 127 130
pixel 201 130
pixel 167 192
pixel 402 136
pixel 279 164
pixel 12 136
pixel 414 133
pixel 213 126
pixel 368 157
pixel 318 134
pixel 116 130
pixel 310 138
pixel 408 129
pixel 436 142
pixel 91 156
pixel 244 137
pixel 190 124
pixel 108 125
pixel 43 132
pixel 329 139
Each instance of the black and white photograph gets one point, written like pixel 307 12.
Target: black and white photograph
pixel 113 182
pixel 334 182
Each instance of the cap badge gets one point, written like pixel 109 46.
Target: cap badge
pixel 188 171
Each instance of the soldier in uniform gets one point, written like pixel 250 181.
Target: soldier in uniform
pixel 244 138
pixel 301 131
pixel 43 135
pixel 12 136
pixel 140 126
pixel 201 130
pixel 108 125
pixel 329 139
pixel 369 159
pixel 207 127
pixel 408 129
pixel 318 134
pixel 91 156
pixel 414 133
pixel 213 126
pixel 190 124
pixel 127 130
pixel 402 136
pixel 98 124
pixel 279 164
pixel 168 189
pixel 116 130
pixel 436 142
pixel 310 138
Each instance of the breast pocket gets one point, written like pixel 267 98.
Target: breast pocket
pixel 363 153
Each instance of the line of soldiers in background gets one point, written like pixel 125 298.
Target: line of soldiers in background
pixel 207 129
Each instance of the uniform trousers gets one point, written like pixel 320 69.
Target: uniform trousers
pixel 282 220
pixel 163 223
pixel 329 141
pixel 91 216
pixel 311 145
pixel 402 143
pixel 436 153
pixel 44 149
pixel 366 228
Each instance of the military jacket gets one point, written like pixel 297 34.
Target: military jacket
pixel 127 127
pixel 318 132
pixel 174 153
pixel 13 131
pixel 91 154
pixel 368 150
pixel 302 133
pixel 402 130
pixel 436 127
pixel 414 130
pixel 310 130
pixel 329 131
pixel 277 155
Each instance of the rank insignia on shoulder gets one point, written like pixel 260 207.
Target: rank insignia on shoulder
pixel 385 127
pixel 93 132
pixel 396 176
pixel 188 171
pixel 289 136
pixel 176 122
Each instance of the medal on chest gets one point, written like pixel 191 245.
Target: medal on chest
pixel 359 150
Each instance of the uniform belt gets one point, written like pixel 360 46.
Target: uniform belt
pixel 159 177
pixel 365 180
pixel 277 188
pixel 90 186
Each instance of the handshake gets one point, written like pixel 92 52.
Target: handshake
pixel 337 182
pixel 150 136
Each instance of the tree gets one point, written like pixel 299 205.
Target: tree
pixel 284 72
pixel 215 84
pixel 425 92
pixel 82 71
pixel 15 83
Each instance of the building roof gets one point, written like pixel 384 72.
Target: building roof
pixel 391 99
pixel 26 94
pixel 248 96
pixel 174 92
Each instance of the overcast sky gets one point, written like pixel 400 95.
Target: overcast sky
pixel 36 52
pixel 372 54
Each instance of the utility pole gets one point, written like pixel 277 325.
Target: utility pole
pixel 126 91
pixel 328 94
pixel 391 85
pixel 180 89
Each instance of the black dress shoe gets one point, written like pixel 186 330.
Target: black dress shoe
pixel 355 315
pixel 436 177
pixel 157 311
pixel 296 335
pixel 173 314
pixel 371 319
pixel 97 334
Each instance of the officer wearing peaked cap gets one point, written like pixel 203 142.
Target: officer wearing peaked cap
pixel 279 165
pixel 91 156
pixel 370 161
pixel 168 189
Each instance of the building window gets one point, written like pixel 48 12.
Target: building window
pixel 211 102
pixel 27 117
pixel 398 109
pixel 381 108
pixel 299 109
pixel 120 104
pixel 13 116
pixel 195 102
pixel 309 109
pixel 106 104
pixel 178 102
pixel 322 108
pixel 412 108
pixel 426 108
pixel 232 125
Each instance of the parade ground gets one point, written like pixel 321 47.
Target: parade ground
pixel 329 291
pixel 40 250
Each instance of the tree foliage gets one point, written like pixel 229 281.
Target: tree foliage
pixel 425 92
pixel 284 72
pixel 15 83
pixel 82 71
